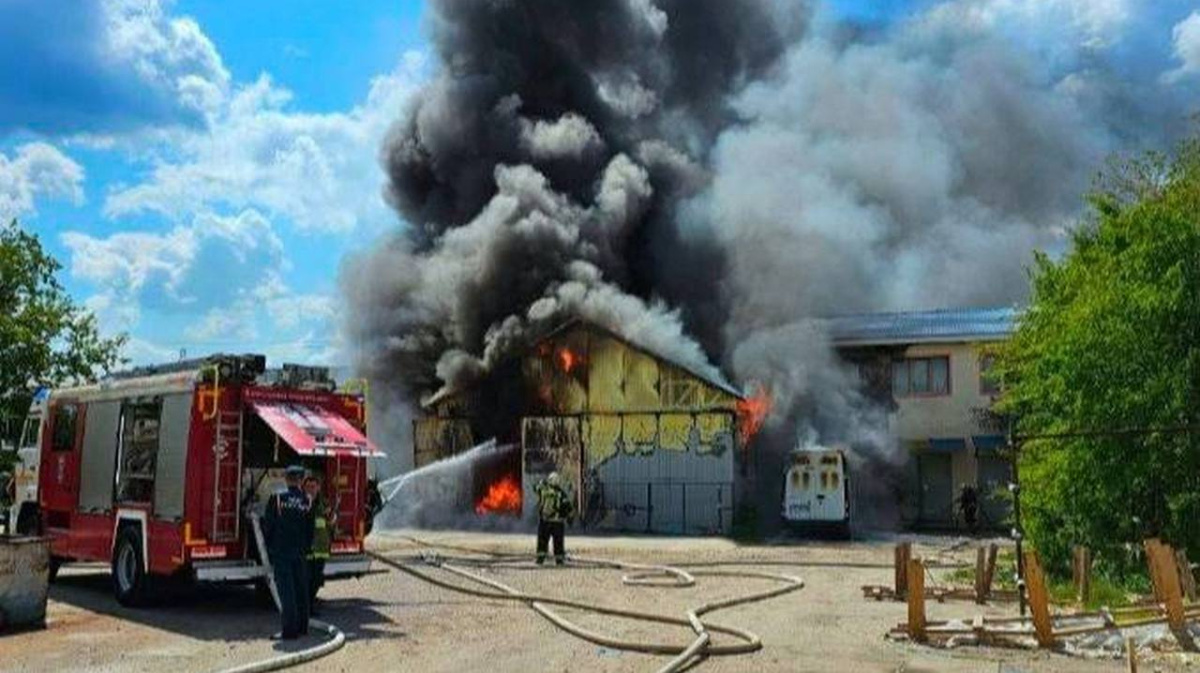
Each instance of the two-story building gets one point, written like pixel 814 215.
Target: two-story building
pixel 930 369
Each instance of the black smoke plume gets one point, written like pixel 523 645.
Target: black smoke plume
pixel 711 177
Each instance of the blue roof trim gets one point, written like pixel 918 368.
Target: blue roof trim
pixel 947 444
pixel 988 443
pixel 957 324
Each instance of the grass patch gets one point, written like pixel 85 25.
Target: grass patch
pixel 1107 591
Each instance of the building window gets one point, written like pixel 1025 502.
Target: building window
pixel 916 377
pixel 987 384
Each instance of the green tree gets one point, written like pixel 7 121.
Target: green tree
pixel 1111 340
pixel 45 339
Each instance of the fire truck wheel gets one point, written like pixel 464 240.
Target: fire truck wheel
pixel 129 578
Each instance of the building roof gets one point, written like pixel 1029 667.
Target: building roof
pixel 937 326
pixel 714 379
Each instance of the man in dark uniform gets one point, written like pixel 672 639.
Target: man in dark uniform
pixel 968 504
pixel 555 507
pixel 288 528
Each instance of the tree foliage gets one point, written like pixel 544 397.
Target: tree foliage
pixel 1111 340
pixel 45 339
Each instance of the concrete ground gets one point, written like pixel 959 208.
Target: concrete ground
pixel 394 622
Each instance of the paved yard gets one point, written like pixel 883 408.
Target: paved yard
pixel 394 622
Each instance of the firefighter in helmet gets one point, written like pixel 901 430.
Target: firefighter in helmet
pixel 322 517
pixel 555 507
pixel 288 528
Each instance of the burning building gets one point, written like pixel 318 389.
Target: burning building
pixel 647 443
pixel 706 179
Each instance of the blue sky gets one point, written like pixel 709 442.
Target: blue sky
pixel 201 167
pixel 202 172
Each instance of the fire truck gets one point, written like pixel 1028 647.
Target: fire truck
pixel 159 471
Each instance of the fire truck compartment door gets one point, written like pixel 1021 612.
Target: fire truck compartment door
pixel 171 463
pixel 313 431
pixel 99 461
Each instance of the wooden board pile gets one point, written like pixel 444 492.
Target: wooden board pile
pixel 1174 604
pixel 982 591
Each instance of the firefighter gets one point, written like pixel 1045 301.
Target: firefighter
pixel 968 505
pixel 555 508
pixel 322 536
pixel 288 527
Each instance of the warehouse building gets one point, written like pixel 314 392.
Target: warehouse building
pixel 647 444
pixel 930 370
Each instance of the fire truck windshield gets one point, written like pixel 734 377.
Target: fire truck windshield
pixel 29 433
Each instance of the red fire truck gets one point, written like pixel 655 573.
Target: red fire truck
pixel 158 471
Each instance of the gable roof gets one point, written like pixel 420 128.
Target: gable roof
pixel 716 381
pixel 950 325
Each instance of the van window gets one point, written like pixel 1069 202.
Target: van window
pixel 138 450
pixel 63 437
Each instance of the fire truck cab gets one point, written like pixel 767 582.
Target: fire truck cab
pixel 23 515
pixel 159 470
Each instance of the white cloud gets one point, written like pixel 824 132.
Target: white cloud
pixel 1062 23
pixel 211 262
pixel 106 67
pixel 213 279
pixel 293 310
pixel 170 54
pixel 320 171
pixel 1186 38
pixel 142 352
pixel 37 169
pixel 222 275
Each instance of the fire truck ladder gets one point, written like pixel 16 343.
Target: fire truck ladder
pixel 227 450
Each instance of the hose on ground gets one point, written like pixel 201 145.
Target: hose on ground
pixel 637 575
pixel 335 642
pixel 759 562
pixel 288 659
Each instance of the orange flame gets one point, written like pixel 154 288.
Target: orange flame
pixel 567 359
pixel 752 413
pixel 502 496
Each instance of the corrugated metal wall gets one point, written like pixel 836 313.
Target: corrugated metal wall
pixel 645 444
pixel 664 492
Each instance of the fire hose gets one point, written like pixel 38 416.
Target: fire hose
pixel 336 637
pixel 638 575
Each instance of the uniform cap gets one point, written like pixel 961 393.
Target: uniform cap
pixel 295 471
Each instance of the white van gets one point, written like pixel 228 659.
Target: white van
pixel 815 490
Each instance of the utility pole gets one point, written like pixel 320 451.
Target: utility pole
pixel 1018 532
